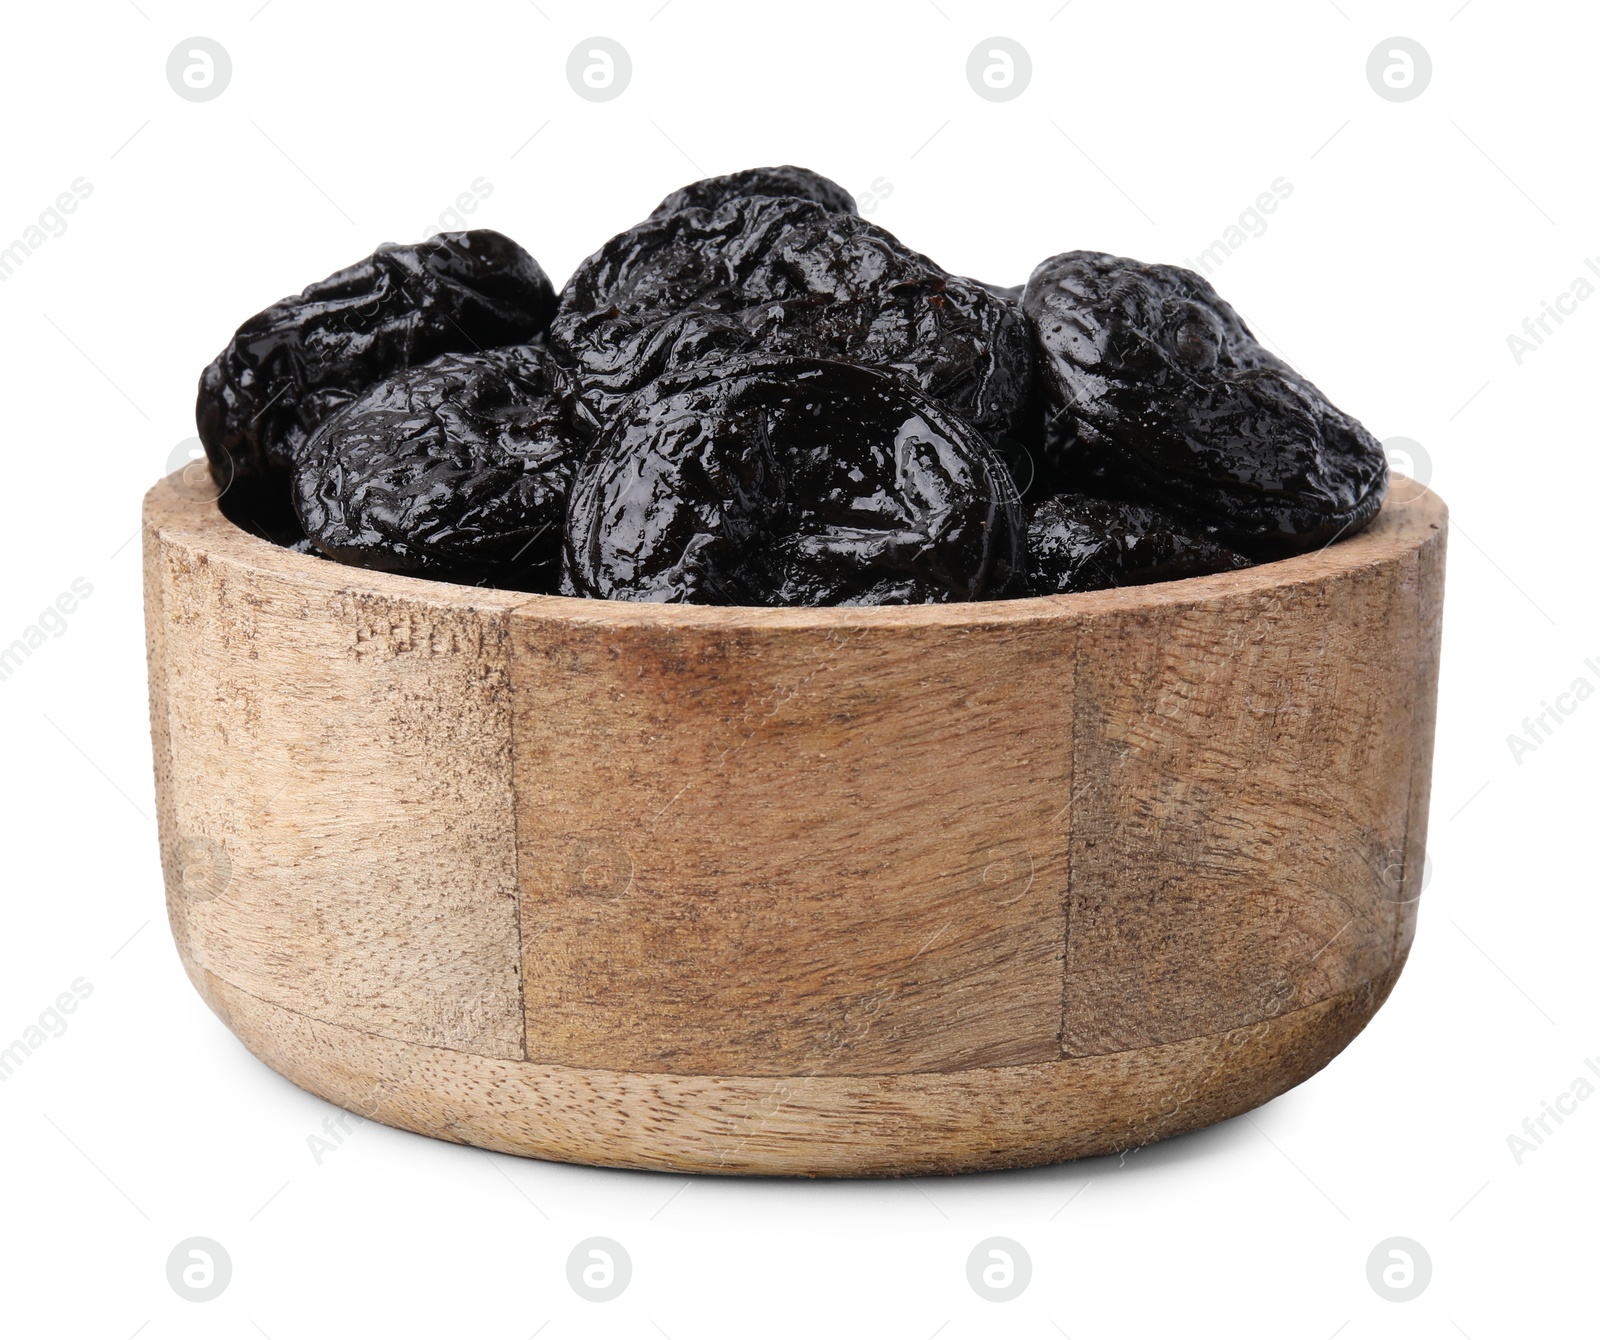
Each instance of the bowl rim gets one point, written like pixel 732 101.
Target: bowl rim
pixel 1409 512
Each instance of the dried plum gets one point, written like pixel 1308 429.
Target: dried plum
pixel 458 469
pixel 790 481
pixel 787 180
pixel 786 276
pixel 756 396
pixel 1078 543
pixel 1157 391
pixel 289 367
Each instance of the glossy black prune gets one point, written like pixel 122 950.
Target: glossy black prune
pixel 1079 543
pixel 790 481
pixel 1021 446
pixel 785 180
pixel 1156 390
pixel 785 276
pixel 288 368
pixel 457 469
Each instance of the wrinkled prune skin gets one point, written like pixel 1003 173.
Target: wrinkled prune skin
pixel 1156 390
pixel 1079 543
pixel 1022 446
pixel 787 180
pixel 456 469
pixel 290 367
pixel 789 481
pixel 785 276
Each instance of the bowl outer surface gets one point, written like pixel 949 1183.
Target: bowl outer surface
pixel 810 890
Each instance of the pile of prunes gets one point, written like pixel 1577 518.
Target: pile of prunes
pixel 757 397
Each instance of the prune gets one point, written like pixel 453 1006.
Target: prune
pixel 1078 543
pixel 756 396
pixel 787 180
pixel 1022 444
pixel 458 468
pixel 785 276
pixel 790 481
pixel 1157 391
pixel 291 366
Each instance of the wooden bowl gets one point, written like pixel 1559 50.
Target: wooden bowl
pixel 809 891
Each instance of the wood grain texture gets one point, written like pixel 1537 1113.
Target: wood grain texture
pixel 778 852
pixel 163 506
pixel 802 1125
pixel 1242 797
pixel 919 888
pixel 1420 683
pixel 349 753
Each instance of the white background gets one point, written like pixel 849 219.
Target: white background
pixel 1418 236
